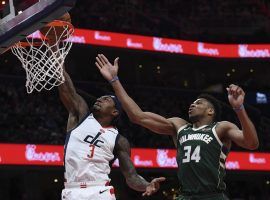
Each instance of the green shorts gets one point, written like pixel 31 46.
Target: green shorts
pixel 219 196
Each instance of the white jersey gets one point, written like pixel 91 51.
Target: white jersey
pixel 88 151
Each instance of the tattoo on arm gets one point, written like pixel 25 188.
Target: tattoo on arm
pixel 122 150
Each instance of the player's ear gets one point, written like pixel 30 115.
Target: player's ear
pixel 115 112
pixel 211 111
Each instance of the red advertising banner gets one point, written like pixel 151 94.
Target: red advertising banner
pixel 52 155
pixel 31 154
pixel 102 38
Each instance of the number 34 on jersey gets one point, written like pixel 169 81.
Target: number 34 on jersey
pixel 191 154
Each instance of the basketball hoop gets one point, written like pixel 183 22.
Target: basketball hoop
pixel 43 60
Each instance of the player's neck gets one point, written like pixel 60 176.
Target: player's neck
pixel 202 122
pixel 103 121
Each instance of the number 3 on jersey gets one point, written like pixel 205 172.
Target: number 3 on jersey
pixel 195 155
pixel 92 150
pixel 94 142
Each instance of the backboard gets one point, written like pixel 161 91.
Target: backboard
pixel 20 18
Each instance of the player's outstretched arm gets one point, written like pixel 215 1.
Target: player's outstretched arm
pixel 134 181
pixel 247 137
pixel 152 121
pixel 73 102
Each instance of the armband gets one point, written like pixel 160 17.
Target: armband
pixel 239 108
pixel 114 79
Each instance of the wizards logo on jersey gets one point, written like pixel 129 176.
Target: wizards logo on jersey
pixel 94 140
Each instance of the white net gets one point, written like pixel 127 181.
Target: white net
pixel 44 62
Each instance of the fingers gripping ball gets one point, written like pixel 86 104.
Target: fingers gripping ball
pixel 57 31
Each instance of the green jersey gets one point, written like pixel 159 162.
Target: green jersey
pixel 201 160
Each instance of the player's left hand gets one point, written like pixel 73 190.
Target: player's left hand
pixel 236 95
pixel 107 70
pixel 154 186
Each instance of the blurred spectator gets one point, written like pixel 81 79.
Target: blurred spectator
pixel 40 118
pixel 213 21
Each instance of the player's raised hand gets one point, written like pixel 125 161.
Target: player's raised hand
pixel 236 96
pixel 154 186
pixel 107 70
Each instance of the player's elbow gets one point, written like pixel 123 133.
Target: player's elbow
pixel 253 145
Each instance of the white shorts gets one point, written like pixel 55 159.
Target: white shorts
pixel 88 191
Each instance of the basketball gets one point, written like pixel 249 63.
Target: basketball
pixel 56 30
pixel 66 17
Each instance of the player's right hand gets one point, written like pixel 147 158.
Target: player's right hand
pixel 236 95
pixel 154 186
pixel 107 70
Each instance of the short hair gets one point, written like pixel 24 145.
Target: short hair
pixel 215 102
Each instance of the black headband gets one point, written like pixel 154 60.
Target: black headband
pixel 117 104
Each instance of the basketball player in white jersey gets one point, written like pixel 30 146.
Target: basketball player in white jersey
pixel 92 142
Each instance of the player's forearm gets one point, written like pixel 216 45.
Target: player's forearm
pixel 68 95
pixel 67 86
pixel 133 111
pixel 249 131
pixel 137 183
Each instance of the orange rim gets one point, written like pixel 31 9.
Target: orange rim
pixel 55 23
pixel 26 44
pixel 60 23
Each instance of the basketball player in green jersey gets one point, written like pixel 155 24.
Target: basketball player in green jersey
pixel 202 145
